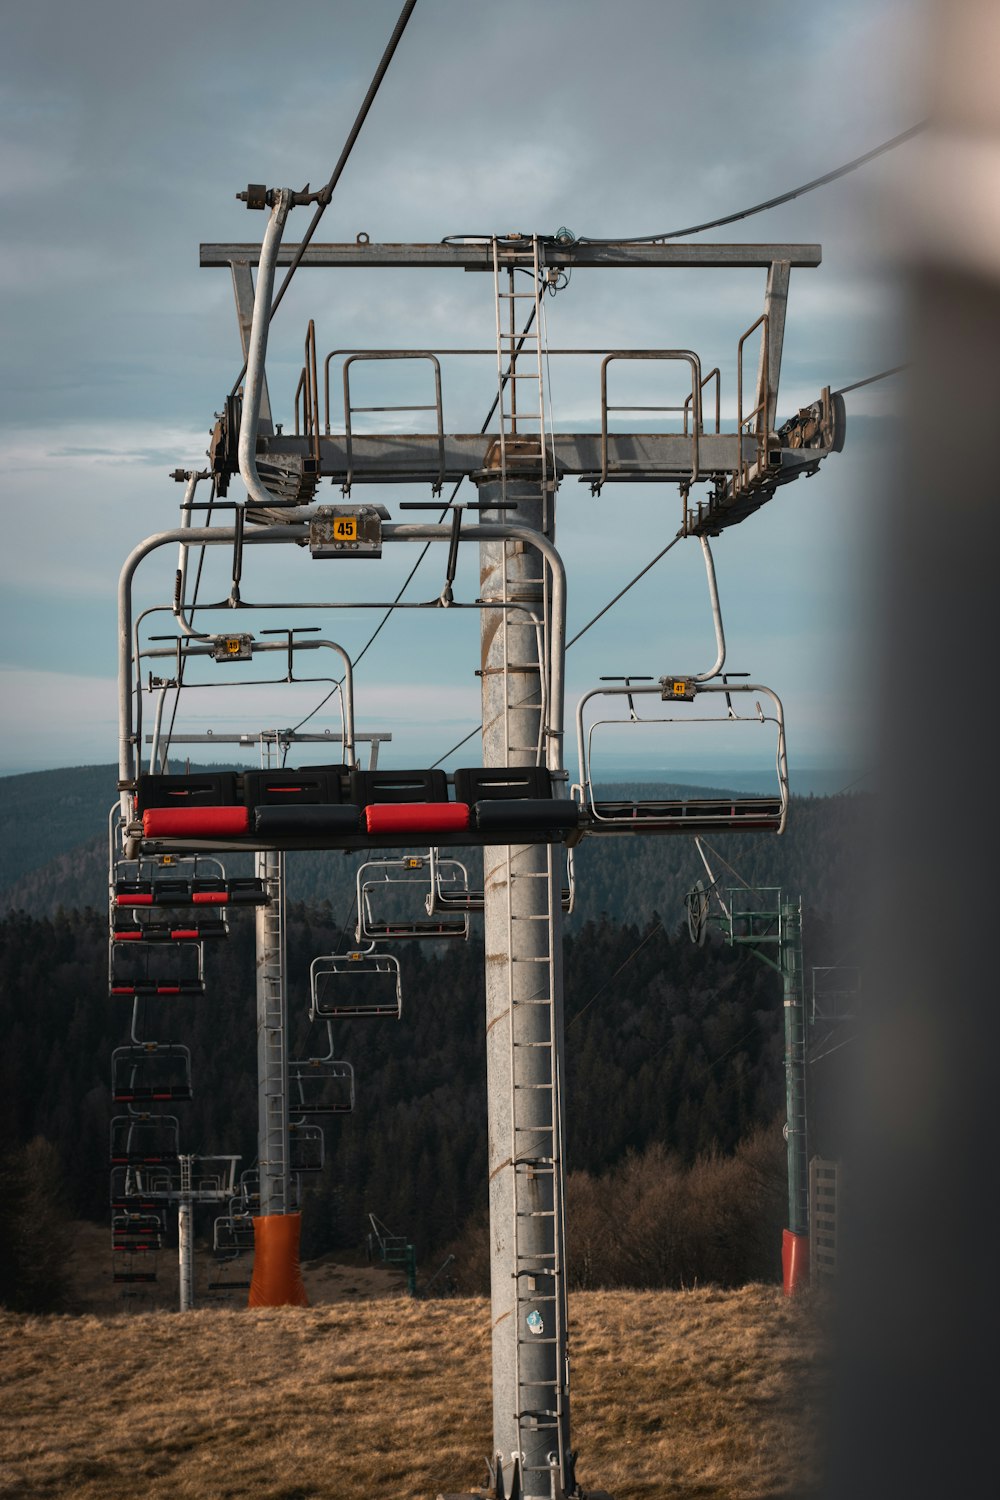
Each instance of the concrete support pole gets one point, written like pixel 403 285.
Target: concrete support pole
pixel 185 1239
pixel 524 1042
pixel 272 1040
pixel 795 1245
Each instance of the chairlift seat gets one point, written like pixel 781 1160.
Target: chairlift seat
pixel 310 821
pixel 133 1276
pixel 150 1072
pixel 398 787
pixel 195 822
pixel 419 927
pixel 144 1140
pixel 332 993
pixel 292 788
pixel 142 968
pixel 530 814
pixel 170 932
pixel 306 1147
pixel 246 890
pixel 232 1233
pixel 137 1233
pixel 417 817
pixel 687 815
pixel 210 789
pixel 320 1086
pixel 496 783
pixel 508 799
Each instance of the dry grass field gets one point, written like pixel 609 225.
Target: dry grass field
pixel 706 1395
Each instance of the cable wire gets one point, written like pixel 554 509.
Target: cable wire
pixel 622 592
pixel 759 208
pixel 657 927
pixel 620 595
pixel 326 193
pixel 870 380
pixel 165 751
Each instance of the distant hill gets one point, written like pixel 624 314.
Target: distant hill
pixel 53 852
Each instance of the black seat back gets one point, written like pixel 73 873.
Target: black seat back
pixel 398 786
pixel 496 783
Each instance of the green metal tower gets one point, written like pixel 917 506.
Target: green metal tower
pixel 772 930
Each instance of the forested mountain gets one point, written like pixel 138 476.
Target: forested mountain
pixel 671 1049
pixel 670 1044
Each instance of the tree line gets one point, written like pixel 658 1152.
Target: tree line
pixel 670 1048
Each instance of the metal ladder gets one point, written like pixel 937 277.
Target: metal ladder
pixel 537 1159
pixel 521 357
pixel 272 1024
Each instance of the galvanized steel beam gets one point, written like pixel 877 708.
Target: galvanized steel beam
pixel 479 257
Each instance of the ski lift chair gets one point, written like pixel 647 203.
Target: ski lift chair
pixel 127 1192
pixel 126 1271
pixel 383 878
pixel 451 891
pixel 358 983
pixel 135 927
pixel 141 1139
pixel 145 1072
pixel 320 1086
pixel 687 814
pixel 137 1233
pixel 200 891
pixel 232 1235
pixel 306 1146
pixel 137 967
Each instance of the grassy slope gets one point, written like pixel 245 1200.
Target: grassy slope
pixel 703 1394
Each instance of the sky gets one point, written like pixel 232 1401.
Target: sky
pixel 128 129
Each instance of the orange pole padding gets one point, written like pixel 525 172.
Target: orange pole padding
pixel 277 1280
pixel 794 1261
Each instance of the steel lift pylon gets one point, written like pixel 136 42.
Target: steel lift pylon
pixel 518 468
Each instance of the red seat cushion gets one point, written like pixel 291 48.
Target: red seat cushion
pixel 195 822
pixel 416 817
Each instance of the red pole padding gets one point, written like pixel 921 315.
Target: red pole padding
pixel 277 1280
pixel 794 1261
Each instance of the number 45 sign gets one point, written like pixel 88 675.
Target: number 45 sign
pixel 346 531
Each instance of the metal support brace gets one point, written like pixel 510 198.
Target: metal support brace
pixel 775 308
pixel 244 294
